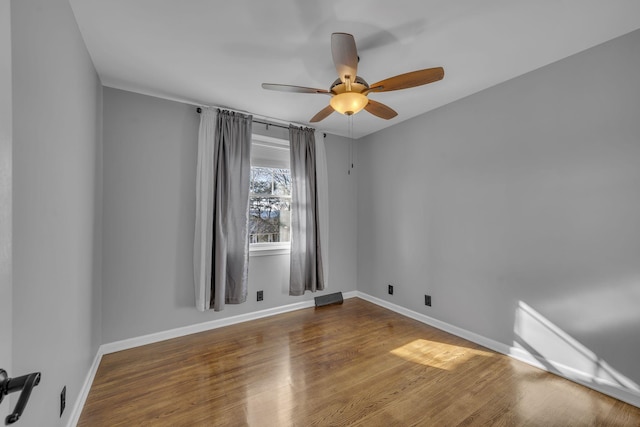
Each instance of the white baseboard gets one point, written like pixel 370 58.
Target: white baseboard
pixel 586 379
pixel 84 391
pixel 206 326
pixel 175 333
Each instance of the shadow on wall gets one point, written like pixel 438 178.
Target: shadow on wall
pixel 558 352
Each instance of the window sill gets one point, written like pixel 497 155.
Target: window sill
pixel 267 249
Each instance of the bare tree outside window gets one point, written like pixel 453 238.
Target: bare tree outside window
pixel 270 205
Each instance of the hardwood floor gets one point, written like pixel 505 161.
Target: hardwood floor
pixel 352 364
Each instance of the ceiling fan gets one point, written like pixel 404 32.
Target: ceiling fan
pixel 349 92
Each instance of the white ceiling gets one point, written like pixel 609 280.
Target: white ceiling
pixel 210 52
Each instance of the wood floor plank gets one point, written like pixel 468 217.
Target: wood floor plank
pixel 351 364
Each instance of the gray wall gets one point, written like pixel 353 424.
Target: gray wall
pixel 523 194
pixel 56 193
pixel 150 148
pixel 6 241
pixel 527 192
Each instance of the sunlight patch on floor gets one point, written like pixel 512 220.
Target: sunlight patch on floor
pixel 437 354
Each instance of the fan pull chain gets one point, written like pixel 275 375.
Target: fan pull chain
pixel 350 167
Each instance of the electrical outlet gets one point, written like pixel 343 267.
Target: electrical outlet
pixel 260 295
pixel 390 289
pixel 63 399
pixel 427 300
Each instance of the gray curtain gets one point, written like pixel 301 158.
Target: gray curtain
pixel 306 272
pixel 225 175
pixel 232 172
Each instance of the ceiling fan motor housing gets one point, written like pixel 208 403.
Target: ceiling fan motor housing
pixel 359 85
pixel 349 93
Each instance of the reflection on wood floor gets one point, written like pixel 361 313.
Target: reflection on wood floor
pixel 351 364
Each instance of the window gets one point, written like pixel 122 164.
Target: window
pixel 269 205
pixel 269 196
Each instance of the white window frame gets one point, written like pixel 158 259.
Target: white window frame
pixel 274 248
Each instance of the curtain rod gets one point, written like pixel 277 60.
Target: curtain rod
pixel 199 110
pixel 271 124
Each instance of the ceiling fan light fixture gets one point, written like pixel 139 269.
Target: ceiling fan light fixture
pixel 349 103
pixel 349 91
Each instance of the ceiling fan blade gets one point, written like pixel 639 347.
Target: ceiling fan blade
pixel 322 114
pixel 345 55
pixel 380 110
pixel 407 80
pixel 294 89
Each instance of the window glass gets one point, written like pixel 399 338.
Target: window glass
pixel 270 195
pixel 270 205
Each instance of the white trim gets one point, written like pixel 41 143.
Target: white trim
pixel 175 333
pixel 583 378
pixel 586 379
pixel 463 333
pixel 265 249
pixel 84 391
pixel 206 326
